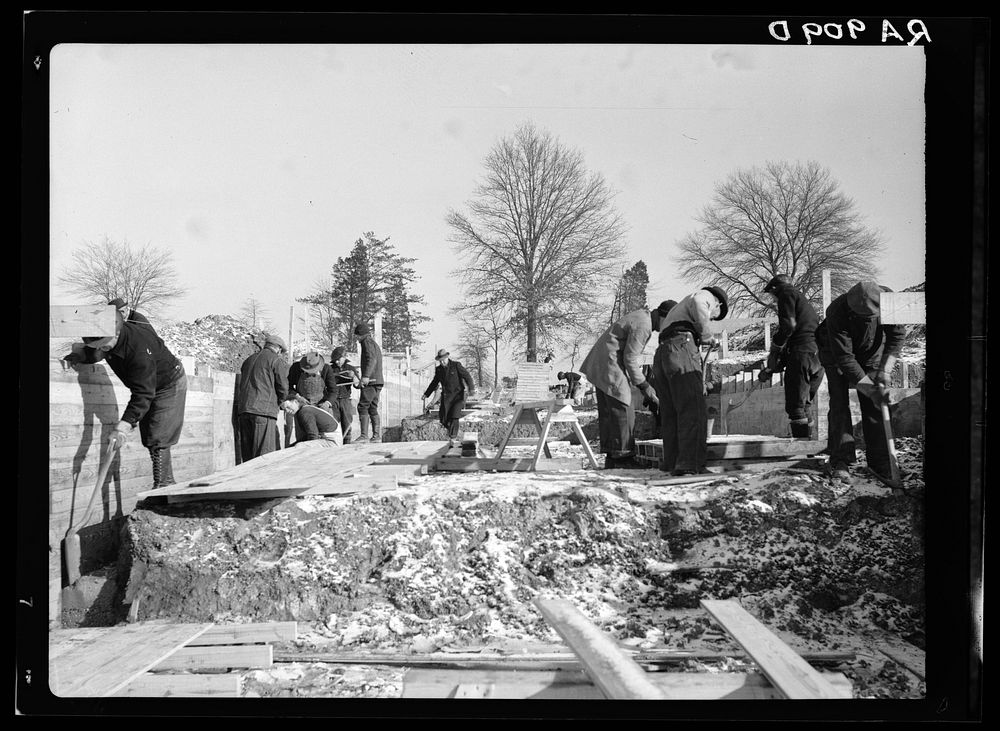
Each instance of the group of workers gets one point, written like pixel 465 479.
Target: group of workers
pixel 852 347
pixel 318 394
pixel 315 393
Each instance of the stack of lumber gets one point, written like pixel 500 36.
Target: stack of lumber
pixel 736 447
pixel 160 660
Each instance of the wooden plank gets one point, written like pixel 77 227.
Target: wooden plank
pixel 477 464
pixel 78 321
pixel 532 382
pixel 218 656
pixel 614 672
pixel 736 323
pixel 788 672
pixel 179 685
pixel 574 684
pixel 101 661
pixel 903 308
pixel 236 634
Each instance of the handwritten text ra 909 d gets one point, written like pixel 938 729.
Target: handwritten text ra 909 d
pixel 853 29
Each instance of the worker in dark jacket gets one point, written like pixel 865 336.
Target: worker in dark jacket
pixel 312 379
pixel 856 349
pixel 453 378
pixel 312 422
pixel 371 384
pixel 345 376
pixel 572 382
pixel 794 350
pixel 158 386
pixel 677 376
pixel 614 366
pixel 263 386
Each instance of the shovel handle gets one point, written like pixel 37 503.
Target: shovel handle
pixel 102 473
pixel 890 443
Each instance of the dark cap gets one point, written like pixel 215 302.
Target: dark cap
pixel 664 307
pixel 724 310
pixel 311 362
pixel 442 353
pixel 780 281
pixel 339 352
pixel 118 302
pixel 560 375
pixel 361 329
pixel 865 298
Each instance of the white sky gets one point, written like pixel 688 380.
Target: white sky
pixel 259 165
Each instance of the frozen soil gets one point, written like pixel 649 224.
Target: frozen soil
pixel 453 563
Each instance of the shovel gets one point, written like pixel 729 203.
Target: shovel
pixel 71 543
pixel 897 482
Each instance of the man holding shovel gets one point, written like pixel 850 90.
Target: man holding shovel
pixel 856 349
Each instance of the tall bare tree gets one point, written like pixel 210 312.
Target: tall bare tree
pixel 783 218
pixel 541 237
pixel 480 336
pixel 144 277
pixel 254 314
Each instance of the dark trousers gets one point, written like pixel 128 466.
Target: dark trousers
pixel 368 402
pixel 450 413
pixel 840 441
pixel 615 423
pixel 803 375
pixel 258 435
pixel 161 426
pixel 683 410
pixel 343 410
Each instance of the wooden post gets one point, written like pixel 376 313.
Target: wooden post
pixel 767 336
pixel 291 330
pixel 725 344
pixel 378 328
pixel 906 373
pixel 305 327
pixel 827 292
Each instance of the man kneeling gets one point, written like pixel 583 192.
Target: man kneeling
pixel 312 422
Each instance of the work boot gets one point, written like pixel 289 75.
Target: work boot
pixel 838 471
pixel 800 430
pixel 157 457
pixel 166 468
pixel 363 420
pixel 376 428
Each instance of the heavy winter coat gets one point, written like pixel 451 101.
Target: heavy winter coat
pixel 615 360
pixel 856 342
pixel 371 361
pixel 313 387
pixel 143 363
pixel 453 379
pixel 797 321
pixel 263 384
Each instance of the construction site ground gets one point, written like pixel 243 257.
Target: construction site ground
pixel 450 563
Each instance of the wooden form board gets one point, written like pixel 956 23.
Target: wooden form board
pixel 236 634
pixel 177 685
pixel 310 469
pixel 615 673
pixel 574 684
pixel 78 321
pixel 903 308
pixel 784 668
pixel 218 656
pixel 99 661
pixel 763 448
pixel 532 382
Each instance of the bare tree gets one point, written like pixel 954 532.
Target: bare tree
pixel 144 277
pixel 254 314
pixel 541 238
pixel 780 219
pixel 479 338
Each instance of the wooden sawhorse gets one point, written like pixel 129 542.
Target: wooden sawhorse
pixel 556 410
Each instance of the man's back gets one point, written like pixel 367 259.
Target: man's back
pixel 263 384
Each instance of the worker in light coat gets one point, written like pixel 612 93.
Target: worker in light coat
pixel 680 387
pixel 614 366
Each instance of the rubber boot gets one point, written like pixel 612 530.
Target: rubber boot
pixel 376 428
pixel 157 457
pixel 363 421
pixel 166 468
pixel 800 430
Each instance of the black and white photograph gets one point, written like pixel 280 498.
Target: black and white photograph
pixel 491 367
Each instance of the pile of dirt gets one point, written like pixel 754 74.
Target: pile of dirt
pixel 455 563
pixel 220 341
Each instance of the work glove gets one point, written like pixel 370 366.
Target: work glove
pixel 867 387
pixel 881 381
pixel 119 436
pixel 765 375
pixel 649 393
pixel 365 381
pixel 72 358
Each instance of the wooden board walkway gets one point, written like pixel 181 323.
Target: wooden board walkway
pixel 788 672
pixel 99 661
pixel 310 468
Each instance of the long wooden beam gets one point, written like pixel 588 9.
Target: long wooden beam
pixel 218 656
pixel 236 634
pixel 77 321
pixel 176 685
pixel 612 670
pixel 574 684
pixel 788 672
